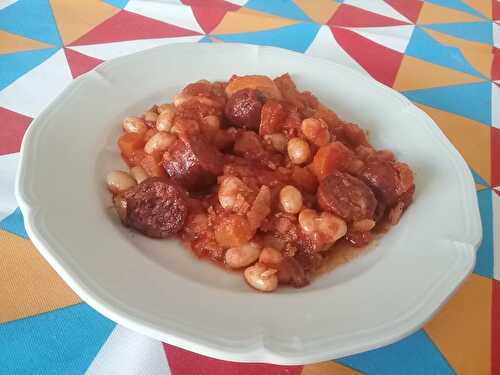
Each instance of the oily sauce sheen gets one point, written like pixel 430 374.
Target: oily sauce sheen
pixel 259 177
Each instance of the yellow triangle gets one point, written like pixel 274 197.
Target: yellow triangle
pixel 480 187
pixel 415 74
pixel 432 13
pixel 471 138
pixel 482 6
pixel 76 18
pixel 479 55
pixel 10 43
pixel 319 11
pixel 462 329
pixel 246 20
pixel 29 285
pixel 328 368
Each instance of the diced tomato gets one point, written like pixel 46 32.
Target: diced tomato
pixel 333 156
pixel 130 142
pixel 152 165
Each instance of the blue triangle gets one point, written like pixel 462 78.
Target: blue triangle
pixel 14 65
pixel 484 255
pixel 295 37
pixel 32 19
pixel 117 3
pixel 205 39
pixel 64 341
pixel 475 31
pixel 471 100
pixel 282 8
pixel 415 355
pixel 478 179
pixel 14 223
pixel 458 5
pixel 423 46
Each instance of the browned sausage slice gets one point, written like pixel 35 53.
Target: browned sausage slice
pixel 243 109
pixel 157 207
pixel 194 163
pixel 346 196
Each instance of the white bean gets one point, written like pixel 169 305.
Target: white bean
pixel 307 220
pixel 165 120
pixel 119 181
pixel 229 190
pixel 242 256
pixel 270 256
pixel 150 116
pixel 291 199
pixel 331 226
pixel 298 150
pixel 138 173
pixel 120 204
pixel 278 141
pixel 134 125
pixel 261 277
pixel 161 141
pixel 316 131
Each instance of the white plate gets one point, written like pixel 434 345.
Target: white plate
pixel 159 289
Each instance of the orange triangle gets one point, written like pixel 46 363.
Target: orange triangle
pixel 246 20
pixel 415 74
pixel 29 285
pixel 319 11
pixel 432 13
pixel 482 6
pixel 479 55
pixel 471 138
pixel 329 367
pixel 462 330
pixel 76 18
pixel 10 43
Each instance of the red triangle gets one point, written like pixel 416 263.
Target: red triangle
pixel 80 63
pixel 495 156
pixel 181 361
pixel 496 12
pixel 350 16
pixel 408 8
pixel 130 26
pixel 210 16
pixel 381 62
pixel 495 66
pixel 13 126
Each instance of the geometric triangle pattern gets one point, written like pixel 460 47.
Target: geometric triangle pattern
pixel 443 55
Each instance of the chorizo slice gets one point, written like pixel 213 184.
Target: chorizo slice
pixel 346 196
pixel 157 207
pixel 243 109
pixel 194 163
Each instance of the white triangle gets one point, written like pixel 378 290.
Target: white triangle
pixel 8 169
pixel 324 45
pixel 33 91
pixel 379 7
pixel 393 37
pixel 495 201
pixel 128 353
pixel 496 34
pixel 495 106
pixel 238 2
pixel 6 3
pixel 108 51
pixel 173 13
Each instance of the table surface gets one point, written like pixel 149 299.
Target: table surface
pixel 441 54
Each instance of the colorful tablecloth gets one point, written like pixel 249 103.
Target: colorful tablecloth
pixel 441 54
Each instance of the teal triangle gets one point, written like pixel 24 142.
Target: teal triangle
pixel 14 65
pixel 458 5
pixel 14 223
pixel 117 3
pixel 63 341
pixel 478 179
pixel 475 31
pixel 31 19
pixel 423 46
pixel 295 37
pixel 415 355
pixel 484 255
pixel 471 100
pixel 282 8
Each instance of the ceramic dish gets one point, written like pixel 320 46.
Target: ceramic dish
pixel 159 289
